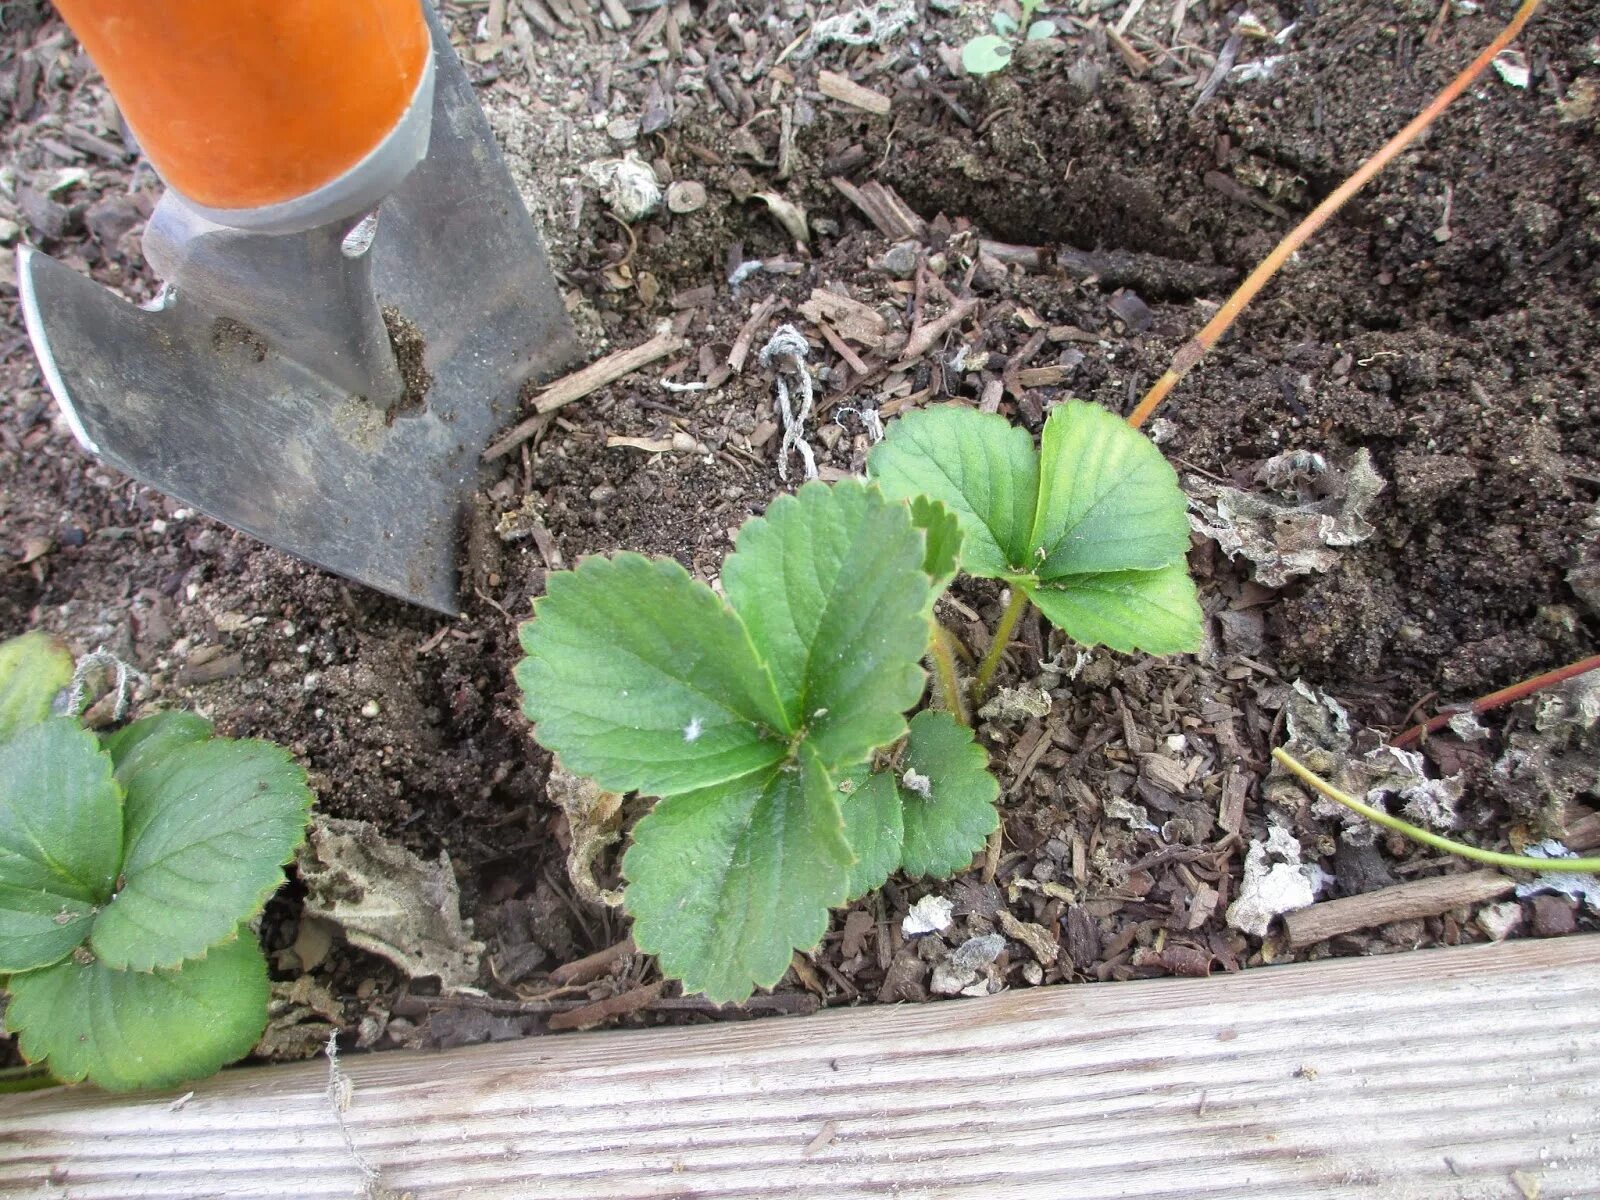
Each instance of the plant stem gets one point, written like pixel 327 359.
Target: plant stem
pixel 1191 352
pixel 997 646
pixel 1493 858
pixel 28 1078
pixel 944 668
pixel 1504 696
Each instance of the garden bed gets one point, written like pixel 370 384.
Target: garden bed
pixel 1443 324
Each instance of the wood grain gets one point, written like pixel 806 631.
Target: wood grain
pixel 1427 1074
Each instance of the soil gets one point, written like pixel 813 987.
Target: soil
pixel 1444 323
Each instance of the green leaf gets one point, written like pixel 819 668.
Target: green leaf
pixel 984 55
pixel 946 826
pixel 149 739
pixel 60 840
pixel 33 668
pixel 1154 611
pixel 727 882
pixel 942 533
pixel 1108 500
pixel 1040 30
pixel 1004 23
pixel 982 467
pixel 831 587
pixel 641 678
pixel 874 827
pixel 209 826
pixel 134 1029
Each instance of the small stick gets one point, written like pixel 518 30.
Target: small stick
pixel 601 1011
pixel 1506 695
pixel 1192 351
pixel 1493 858
pixel 592 966
pixel 747 335
pixel 847 91
pixel 924 338
pixel 584 381
pixel 1402 902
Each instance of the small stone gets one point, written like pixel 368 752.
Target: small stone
pixel 623 129
pixel 1500 921
pixel 370 709
pixel 686 196
pixel 1554 916
pixel 900 261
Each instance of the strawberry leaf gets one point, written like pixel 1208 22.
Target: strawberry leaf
pixel 208 826
pixel 979 465
pixel 830 585
pixel 875 828
pixel 1108 500
pixel 33 668
pixel 1154 611
pixel 942 532
pixel 60 841
pixel 133 1029
pixel 725 883
pixel 641 678
pixel 946 822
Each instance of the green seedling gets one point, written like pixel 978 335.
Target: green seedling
pixel 756 720
pixel 129 865
pixel 991 52
pixel 1092 526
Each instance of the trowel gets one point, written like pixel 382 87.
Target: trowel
pixel 353 295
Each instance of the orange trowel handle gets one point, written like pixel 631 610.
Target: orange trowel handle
pixel 245 103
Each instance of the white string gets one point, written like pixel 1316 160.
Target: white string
pixel 787 345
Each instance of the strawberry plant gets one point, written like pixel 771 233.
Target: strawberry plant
pixel 754 719
pixel 1092 526
pixel 129 866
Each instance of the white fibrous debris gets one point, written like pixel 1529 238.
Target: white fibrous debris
pixel 1288 538
pixel 1568 883
pixel 691 731
pixel 1467 727
pixel 928 915
pixel 627 185
pixel 870 25
pixel 1271 889
pixel 1512 66
pixel 915 781
pixel 1134 816
pixel 1012 704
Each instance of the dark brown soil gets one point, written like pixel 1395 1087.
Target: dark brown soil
pixel 1445 322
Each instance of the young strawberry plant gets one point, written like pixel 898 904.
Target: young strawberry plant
pixel 755 719
pixel 1092 526
pixel 129 865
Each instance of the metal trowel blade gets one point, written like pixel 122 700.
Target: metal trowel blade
pixel 189 403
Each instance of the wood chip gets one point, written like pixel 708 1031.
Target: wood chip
pixel 924 338
pixel 860 323
pixel 1036 938
pixel 1403 902
pixel 848 91
pixel 747 335
pixel 609 1009
pixel 584 381
pixel 592 966
pixel 884 208
pixel 1032 377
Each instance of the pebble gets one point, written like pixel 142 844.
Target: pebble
pixel 900 261
pixel 1553 916
pixel 370 709
pixel 686 196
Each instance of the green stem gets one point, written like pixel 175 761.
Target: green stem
pixel 997 646
pixel 28 1078
pixel 1516 862
pixel 944 666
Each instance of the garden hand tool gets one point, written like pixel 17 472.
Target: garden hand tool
pixel 353 295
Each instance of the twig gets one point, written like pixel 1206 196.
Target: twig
pixel 1192 351
pixel 592 966
pixel 747 335
pixel 584 381
pixel 609 1009
pixel 1493 858
pixel 1493 700
pixel 927 335
pixel 1401 902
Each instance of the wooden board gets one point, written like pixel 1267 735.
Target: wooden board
pixel 1427 1074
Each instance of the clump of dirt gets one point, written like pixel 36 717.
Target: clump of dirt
pixel 1440 324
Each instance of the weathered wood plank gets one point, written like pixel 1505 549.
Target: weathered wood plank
pixel 1436 1073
